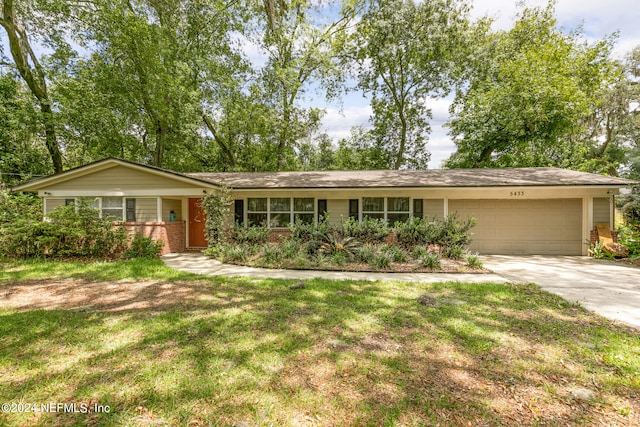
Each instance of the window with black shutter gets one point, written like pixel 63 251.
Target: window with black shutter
pixel 131 210
pixel 353 209
pixel 238 216
pixel 418 208
pixel 322 209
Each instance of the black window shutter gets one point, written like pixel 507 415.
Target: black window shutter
pixel 418 208
pixel 353 208
pixel 131 210
pixel 322 209
pixel 239 212
pixel 69 202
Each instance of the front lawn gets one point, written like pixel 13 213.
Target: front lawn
pixel 159 347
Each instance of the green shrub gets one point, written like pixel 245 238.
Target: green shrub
pixel 455 232
pixel 453 252
pixel 431 260
pixel 416 231
pixel 419 251
pixel 69 232
pixel 367 231
pixel 631 210
pixel 367 254
pixel 597 251
pixel 304 231
pixel 272 254
pixel 330 243
pixel 250 235
pixel 473 261
pixel 382 260
pixel 143 247
pixel 396 253
pixel 339 258
pixel 291 248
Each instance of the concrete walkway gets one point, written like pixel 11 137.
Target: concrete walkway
pixel 201 264
pixel 611 289
pixel 607 288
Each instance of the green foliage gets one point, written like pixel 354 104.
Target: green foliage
pixel 419 251
pixel 368 230
pixel 631 210
pixel 305 231
pixel 228 252
pixel 69 231
pixel 597 251
pixel 382 260
pixel 453 251
pixel 396 253
pixel 431 260
pixel 630 238
pixel 473 261
pixel 417 231
pixel 406 52
pixel 272 254
pixel 291 248
pixel 22 152
pixel 455 232
pixel 216 206
pixel 529 91
pixel 367 254
pixel 254 235
pixel 143 247
pixel 331 243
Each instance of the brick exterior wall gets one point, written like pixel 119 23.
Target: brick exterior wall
pixel 173 234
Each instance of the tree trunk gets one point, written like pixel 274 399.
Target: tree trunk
pixel 161 139
pixel 50 137
pixel 219 140
pixel 403 141
pixel 283 134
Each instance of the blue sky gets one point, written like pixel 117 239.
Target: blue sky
pixel 599 18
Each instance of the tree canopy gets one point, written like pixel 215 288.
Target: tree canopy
pixel 202 85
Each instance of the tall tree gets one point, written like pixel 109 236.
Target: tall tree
pixel 301 45
pixel 22 152
pixel 26 62
pixel 160 60
pixel 405 53
pixel 529 91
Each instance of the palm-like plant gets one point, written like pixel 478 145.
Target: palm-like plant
pixel 331 243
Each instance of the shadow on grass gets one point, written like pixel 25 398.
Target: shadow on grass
pixel 220 351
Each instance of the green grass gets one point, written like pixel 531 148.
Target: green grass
pixel 331 353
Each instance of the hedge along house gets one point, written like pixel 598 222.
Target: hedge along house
pixel 518 211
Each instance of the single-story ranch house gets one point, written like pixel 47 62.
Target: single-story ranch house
pixel 518 211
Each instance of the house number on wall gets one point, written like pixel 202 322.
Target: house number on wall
pixel 516 193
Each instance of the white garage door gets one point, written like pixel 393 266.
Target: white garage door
pixel 531 227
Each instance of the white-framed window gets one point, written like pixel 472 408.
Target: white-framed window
pixel 109 207
pixel 397 209
pixel 279 212
pixel 257 212
pixel 112 207
pixel 391 209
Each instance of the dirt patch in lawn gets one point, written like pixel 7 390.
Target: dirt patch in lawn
pixel 73 294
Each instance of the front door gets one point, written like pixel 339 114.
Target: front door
pixel 196 224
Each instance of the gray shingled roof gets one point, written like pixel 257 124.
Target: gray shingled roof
pixel 410 178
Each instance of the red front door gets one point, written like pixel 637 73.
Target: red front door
pixel 196 224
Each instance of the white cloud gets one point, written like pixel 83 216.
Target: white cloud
pixel 337 124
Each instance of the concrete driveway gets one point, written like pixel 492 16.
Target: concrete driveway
pixel 609 288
